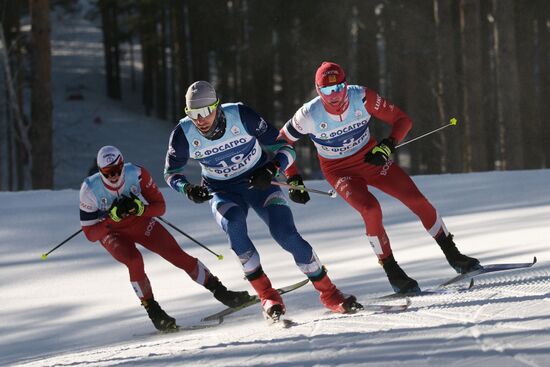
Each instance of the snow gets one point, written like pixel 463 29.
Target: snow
pixel 78 308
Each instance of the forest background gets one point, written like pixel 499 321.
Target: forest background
pixel 484 62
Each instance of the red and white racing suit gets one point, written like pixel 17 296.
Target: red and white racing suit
pixel 120 238
pixel 342 142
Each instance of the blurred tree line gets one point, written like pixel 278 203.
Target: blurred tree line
pixel 484 62
pixel 26 148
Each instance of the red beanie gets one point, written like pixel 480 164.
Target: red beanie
pixel 329 73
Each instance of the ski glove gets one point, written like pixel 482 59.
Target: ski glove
pixel 261 177
pixel 297 195
pixel 197 194
pixel 126 206
pixel 134 206
pixel 114 212
pixel 380 154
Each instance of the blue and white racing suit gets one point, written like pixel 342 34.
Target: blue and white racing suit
pixel 226 165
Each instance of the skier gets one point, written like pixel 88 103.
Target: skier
pixel 227 140
pixel 112 212
pixel 337 121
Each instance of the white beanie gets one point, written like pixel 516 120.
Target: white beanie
pixel 108 155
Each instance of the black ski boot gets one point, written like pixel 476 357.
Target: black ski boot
pixel 227 297
pixel 461 263
pixel 351 305
pixel 274 313
pixel 399 280
pixel 160 319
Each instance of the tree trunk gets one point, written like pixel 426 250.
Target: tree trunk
pixel 530 122
pixel 416 38
pixel 474 143
pixel 109 28
pixel 446 84
pixel 148 38
pixel 177 35
pixel 41 96
pixel 16 147
pixel 161 100
pixel 511 152
pixel 543 76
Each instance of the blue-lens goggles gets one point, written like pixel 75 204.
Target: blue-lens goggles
pixel 328 90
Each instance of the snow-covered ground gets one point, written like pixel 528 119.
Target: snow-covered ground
pixel 85 119
pixel 77 308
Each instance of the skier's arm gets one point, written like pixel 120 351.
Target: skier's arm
pixel 268 137
pixel 176 159
pixel 388 113
pixel 296 127
pixel 156 205
pixel 91 220
pixel 291 132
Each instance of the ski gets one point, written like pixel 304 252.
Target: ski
pixel 176 330
pixel 218 316
pixel 381 308
pixel 488 269
pixel 431 291
pixel 371 307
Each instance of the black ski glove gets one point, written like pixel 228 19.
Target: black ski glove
pixel 126 206
pixel 380 154
pixel 197 194
pixel 261 177
pixel 297 195
pixel 133 205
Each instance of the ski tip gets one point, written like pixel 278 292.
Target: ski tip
pixel 218 319
pixel 534 260
pixel 409 302
pixel 471 283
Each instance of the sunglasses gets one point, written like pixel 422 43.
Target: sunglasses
pixel 112 170
pixel 328 90
pixel 194 113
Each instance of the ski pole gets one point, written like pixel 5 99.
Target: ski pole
pixel 452 122
pixel 220 257
pixel 44 256
pixel 330 193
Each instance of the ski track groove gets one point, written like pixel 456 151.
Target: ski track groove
pixel 477 310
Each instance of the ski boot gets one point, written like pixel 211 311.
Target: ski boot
pixel 271 300
pixel 160 319
pixel 225 296
pixel 332 298
pixel 461 263
pixel 399 280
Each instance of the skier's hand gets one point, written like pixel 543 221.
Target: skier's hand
pixel 126 206
pixel 297 195
pixel 134 206
pixel 261 177
pixel 380 154
pixel 115 212
pixel 197 194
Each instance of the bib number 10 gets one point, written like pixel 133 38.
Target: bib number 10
pixel 232 160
